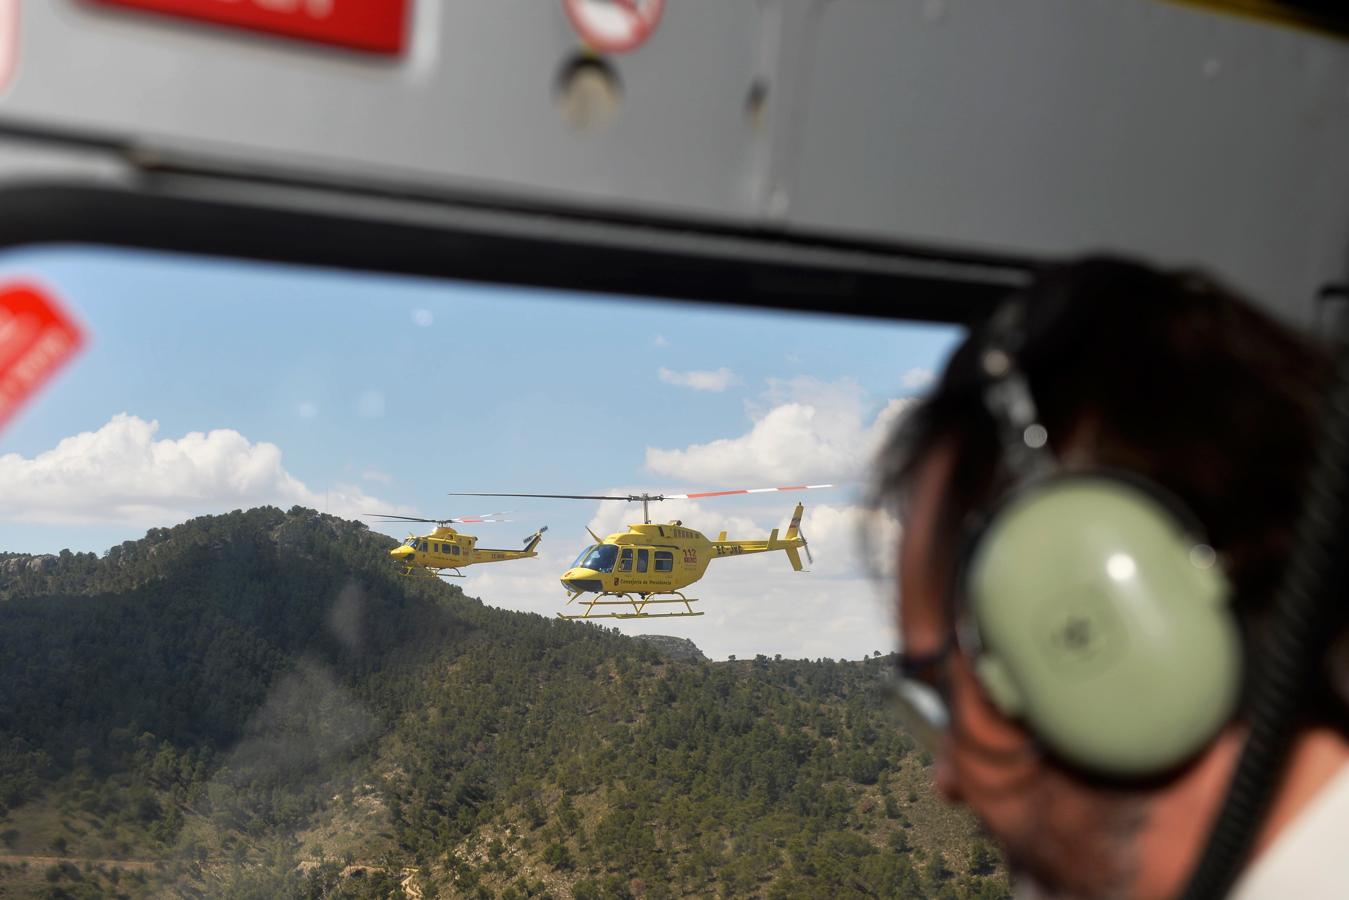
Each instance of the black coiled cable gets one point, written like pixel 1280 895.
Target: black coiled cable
pixel 1303 624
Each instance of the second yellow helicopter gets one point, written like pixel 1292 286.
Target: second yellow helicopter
pixel 443 552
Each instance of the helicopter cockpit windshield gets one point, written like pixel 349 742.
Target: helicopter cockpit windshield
pixel 601 558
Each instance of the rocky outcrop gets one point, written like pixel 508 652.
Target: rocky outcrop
pixel 673 647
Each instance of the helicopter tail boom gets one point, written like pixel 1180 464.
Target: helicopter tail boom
pixel 790 543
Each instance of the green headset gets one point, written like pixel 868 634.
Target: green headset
pixel 1094 612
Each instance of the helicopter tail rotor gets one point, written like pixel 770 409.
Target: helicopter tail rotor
pixel 533 540
pixel 793 535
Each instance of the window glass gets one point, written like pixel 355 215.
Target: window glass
pixel 601 559
pixel 265 707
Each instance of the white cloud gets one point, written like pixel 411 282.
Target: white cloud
pixel 804 432
pixel 376 475
pixel 660 340
pixel 916 379
pixel 716 380
pixel 423 318
pixel 851 541
pixel 124 473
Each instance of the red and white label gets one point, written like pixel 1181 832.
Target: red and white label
pixel 614 26
pixel 9 39
pixel 37 337
pixel 375 26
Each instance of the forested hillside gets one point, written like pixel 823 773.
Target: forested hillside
pixel 254 706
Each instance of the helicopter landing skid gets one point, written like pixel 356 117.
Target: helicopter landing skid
pixel 425 572
pixel 638 602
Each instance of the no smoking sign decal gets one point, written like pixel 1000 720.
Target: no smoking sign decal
pixel 614 26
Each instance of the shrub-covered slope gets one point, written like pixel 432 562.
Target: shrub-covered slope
pixel 254 705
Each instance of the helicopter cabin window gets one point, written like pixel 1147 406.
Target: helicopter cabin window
pixel 625 561
pixel 421 545
pixel 642 560
pixel 602 558
pixel 664 561
pixel 454 549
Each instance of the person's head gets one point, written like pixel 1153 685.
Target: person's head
pixel 1164 377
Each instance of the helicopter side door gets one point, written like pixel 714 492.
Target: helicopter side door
pixel 623 571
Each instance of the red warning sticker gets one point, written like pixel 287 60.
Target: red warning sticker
pixel 614 26
pixel 37 337
pixel 376 26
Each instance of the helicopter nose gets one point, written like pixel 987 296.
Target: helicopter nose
pixel 400 552
pixel 580 581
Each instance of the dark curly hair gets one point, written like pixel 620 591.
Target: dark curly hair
pixel 1181 380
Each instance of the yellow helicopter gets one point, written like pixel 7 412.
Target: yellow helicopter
pixel 443 552
pixel 649 563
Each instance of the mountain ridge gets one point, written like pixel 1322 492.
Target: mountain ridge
pixel 254 704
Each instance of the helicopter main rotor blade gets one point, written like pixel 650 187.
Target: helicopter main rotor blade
pixel 387 517
pixel 544 496
pixel 769 490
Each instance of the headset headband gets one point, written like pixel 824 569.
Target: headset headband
pixel 1007 397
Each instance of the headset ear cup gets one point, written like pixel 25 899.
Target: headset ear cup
pixel 1101 628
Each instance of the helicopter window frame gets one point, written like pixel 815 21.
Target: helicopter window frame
pixel 625 560
pixel 217 211
pixel 664 561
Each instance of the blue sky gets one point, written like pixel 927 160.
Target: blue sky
pixel 397 390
